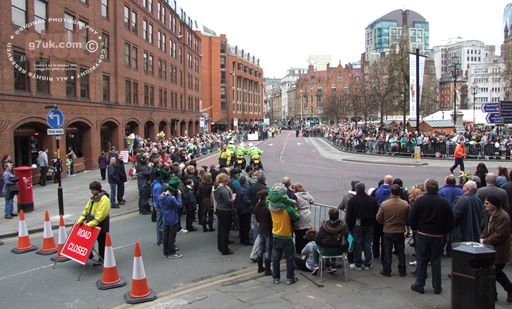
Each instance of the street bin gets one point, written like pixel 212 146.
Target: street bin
pixel 25 196
pixel 473 276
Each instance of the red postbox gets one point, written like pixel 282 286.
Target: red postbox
pixel 25 196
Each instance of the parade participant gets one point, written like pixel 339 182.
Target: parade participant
pixel 255 153
pixel 170 202
pixel 459 156
pixel 97 213
pixel 224 200
pixel 283 215
pixel 224 157
pixel 431 217
pixel 240 152
pixel 392 215
pixel 497 234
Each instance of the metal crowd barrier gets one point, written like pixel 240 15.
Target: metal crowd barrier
pixel 432 150
pixel 320 212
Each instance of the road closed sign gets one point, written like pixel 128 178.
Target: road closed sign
pixel 80 242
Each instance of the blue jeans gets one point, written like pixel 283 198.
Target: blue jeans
pixel 8 206
pixel 265 247
pixel 113 192
pixel 363 237
pixel 428 249
pixel 281 246
pixel 159 225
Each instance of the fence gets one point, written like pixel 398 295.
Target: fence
pixel 320 212
pixel 433 150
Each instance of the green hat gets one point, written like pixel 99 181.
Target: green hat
pixel 173 184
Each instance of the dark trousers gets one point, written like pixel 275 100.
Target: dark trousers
pixel 377 245
pixel 120 191
pixel 244 221
pixel 102 236
pixel 103 172
pixel 396 240
pixel 169 239
pixel 502 278
pixel 280 246
pixel 207 217
pixel 428 249
pixel 300 241
pixel 224 223
pixel 458 162
pixel 143 198
pixel 363 236
pixel 42 178
pixel 191 215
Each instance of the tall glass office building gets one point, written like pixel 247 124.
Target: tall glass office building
pixel 384 34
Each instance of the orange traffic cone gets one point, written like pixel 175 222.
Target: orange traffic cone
pixel 140 292
pixel 60 242
pixel 24 244
pixel 111 278
pixel 49 246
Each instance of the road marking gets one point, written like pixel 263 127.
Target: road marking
pixel 298 144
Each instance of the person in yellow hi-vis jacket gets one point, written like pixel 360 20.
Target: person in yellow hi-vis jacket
pixel 97 213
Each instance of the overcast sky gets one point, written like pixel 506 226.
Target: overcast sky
pixel 283 33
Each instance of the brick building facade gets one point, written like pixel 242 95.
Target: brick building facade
pixel 145 77
pixel 232 83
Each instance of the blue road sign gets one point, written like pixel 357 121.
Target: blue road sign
pixel 55 119
pixel 506 105
pixel 506 114
pixel 494 118
pixel 491 107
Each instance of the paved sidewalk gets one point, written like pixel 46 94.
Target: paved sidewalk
pixel 366 289
pixel 76 193
pixel 326 150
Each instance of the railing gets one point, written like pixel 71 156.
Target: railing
pixel 437 150
pixel 320 212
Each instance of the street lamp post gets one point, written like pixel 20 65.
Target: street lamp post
pixel 474 91
pixel 454 75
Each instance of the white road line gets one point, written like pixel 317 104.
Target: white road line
pixel 47 266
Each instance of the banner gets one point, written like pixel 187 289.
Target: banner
pixel 80 242
pixel 124 155
pixel 412 83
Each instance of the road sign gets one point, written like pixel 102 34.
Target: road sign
pixel 55 119
pixel 55 131
pixel 506 114
pixel 507 120
pixel 494 118
pixel 80 242
pixel 506 105
pixel 490 107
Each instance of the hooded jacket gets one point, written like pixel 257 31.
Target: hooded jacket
pixel 283 214
pixel 330 234
pixel 382 193
pixel 170 205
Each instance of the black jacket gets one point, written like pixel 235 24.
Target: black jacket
pixel 264 218
pixel 431 214
pixel 120 171
pixel 257 187
pixel 243 200
pixel 363 207
pixel 330 234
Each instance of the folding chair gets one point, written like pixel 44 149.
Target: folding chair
pixel 322 258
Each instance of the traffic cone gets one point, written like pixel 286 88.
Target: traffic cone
pixel 24 244
pixel 140 292
pixel 60 242
pixel 111 278
pixel 48 241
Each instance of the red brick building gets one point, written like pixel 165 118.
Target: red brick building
pixel 137 71
pixel 231 81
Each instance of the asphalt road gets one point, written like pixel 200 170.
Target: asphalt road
pixel 28 280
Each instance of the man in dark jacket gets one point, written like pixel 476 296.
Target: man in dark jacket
pixel 244 210
pixel 451 193
pixel 113 181
pixel 191 205
pixel 432 218
pixel 122 179
pixel 468 212
pixel 360 219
